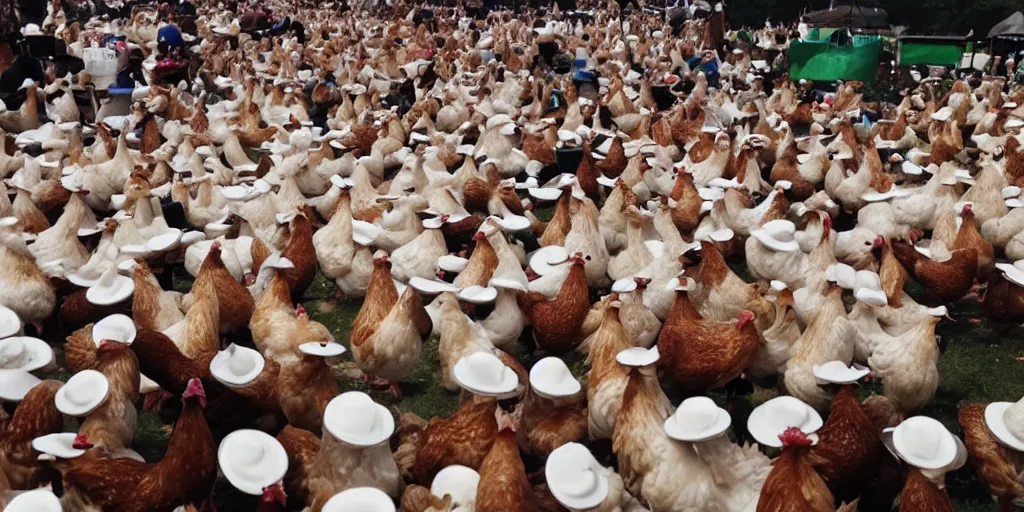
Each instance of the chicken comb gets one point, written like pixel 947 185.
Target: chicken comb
pixel 300 312
pixel 275 494
pixel 81 442
pixel 793 436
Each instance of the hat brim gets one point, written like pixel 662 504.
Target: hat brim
pixel 763 434
pixel 1011 273
pixel 574 500
pixel 219 368
pixel 638 357
pixel 100 387
pixel 360 498
pixel 39 500
pixel 322 349
pixel 994 414
pixel 123 288
pixel 15 384
pixel 549 259
pixel 766 239
pixel 478 294
pixel 10 324
pixel 385 423
pixel 722 423
pixel 271 468
pixel 118 328
pixel 465 378
pixel 876 298
pixel 847 375
pixel 59 445
pixel 947 453
pixel 40 353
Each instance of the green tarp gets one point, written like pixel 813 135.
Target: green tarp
pixel 827 63
pixel 934 54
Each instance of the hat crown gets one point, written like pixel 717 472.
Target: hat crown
pixel 782 230
pixel 249 454
pixel 1014 419
pixel 357 415
pixel 785 412
pixel 868 279
pixel 79 395
pixel 13 353
pixel 486 367
pixel 576 473
pixel 238 363
pixel 108 277
pixel 922 441
pixel 700 412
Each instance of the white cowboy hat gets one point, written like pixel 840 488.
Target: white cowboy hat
pixel 512 223
pixel 252 460
pixel 322 348
pixel 40 500
pixel 624 285
pixel 456 481
pixel 25 353
pixel 943 114
pixel 354 418
pixel 83 393
pixel 484 374
pixel 10 324
pixel 1006 422
pixel 360 499
pixel 432 286
pixel 842 274
pixel 31 29
pixel 60 445
pixel 111 288
pixel 868 289
pixel 15 384
pixel 119 328
pixel 697 419
pixel 925 443
pixel 777 235
pixel 547 259
pixel 638 356
pixel 1013 273
pixel 575 478
pixel 836 372
pixel 551 378
pixel 476 294
pixel 718 235
pixel 450 263
pixel 236 366
pixel 770 419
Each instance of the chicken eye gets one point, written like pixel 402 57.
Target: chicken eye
pixel 588 258
pixel 867 243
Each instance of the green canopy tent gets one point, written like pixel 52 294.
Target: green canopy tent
pixel 828 60
pixel 931 50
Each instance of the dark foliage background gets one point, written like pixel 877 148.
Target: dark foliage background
pixel 926 17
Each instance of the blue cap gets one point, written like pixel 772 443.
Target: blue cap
pixel 170 35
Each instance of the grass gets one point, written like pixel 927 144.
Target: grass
pixel 977 366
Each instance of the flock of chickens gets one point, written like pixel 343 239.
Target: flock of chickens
pixel 427 216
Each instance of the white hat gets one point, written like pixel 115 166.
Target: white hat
pixel 624 285
pixel 575 478
pixel 83 393
pixel 236 366
pixel 836 372
pixel 360 499
pixel 354 418
pixel 477 294
pixel 484 374
pixel 31 29
pixel 456 481
pixel 638 356
pixel 60 445
pixel 365 233
pixel 322 348
pixel 1013 273
pixel 769 420
pixel 551 378
pixel 252 460
pixel 450 263
pixel 111 288
pixel 1006 422
pixel 777 235
pixel 10 324
pixel 546 260
pixel 868 289
pixel 545 194
pixel 943 114
pixel 119 328
pixel 432 286
pixel 924 443
pixel 15 384
pixel 512 223
pixel 841 274
pixel 39 500
pixel 697 419
pixel 24 353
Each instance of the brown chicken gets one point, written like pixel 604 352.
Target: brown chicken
pixel 302 447
pixel 704 354
pixel 234 300
pixel 1014 163
pixel 305 385
pixel 111 427
pixel 587 174
pixel 968 237
pixel 547 423
pixel 686 211
pixel 989 458
pixel 793 485
pixel 185 476
pixel 556 229
pixel 785 168
pixel 948 280
pixel 557 323
pixel 1003 300
pixel 35 416
pixel 417 498
pixel 465 438
pixel 503 485
pixel 482 263
pixel 891 273
pixel 615 161
pixel 76 311
pixel 921 494
pixel 848 448
pixel 152 308
pixel 301 253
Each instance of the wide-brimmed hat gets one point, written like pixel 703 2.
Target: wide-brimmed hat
pixel 10 324
pixel 1006 422
pixel 360 499
pixel 769 420
pixel 638 356
pixel 39 500
pixel 842 274
pixel 576 479
pixel 24 353
pixel 484 374
pixel 236 366
pixel 1013 273
pixel 119 328
pixel 432 286
pixel 836 372
pixel 943 114
pixel 697 419
pixel 477 294
pixel 61 445
pixel 83 393
pixel 456 481
pixel 777 235
pixel 322 348
pixel 112 288
pixel 547 259
pixel 15 384
pixel 252 460
pixel 925 443
pixel 868 289
pixel 551 378
pixel 354 418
